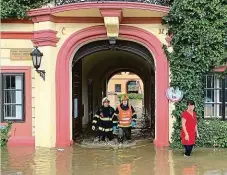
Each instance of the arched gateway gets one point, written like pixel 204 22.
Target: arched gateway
pixel 63 67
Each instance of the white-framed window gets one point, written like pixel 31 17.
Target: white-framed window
pixel 132 87
pixel 215 101
pixel 12 93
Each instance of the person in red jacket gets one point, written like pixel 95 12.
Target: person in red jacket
pixel 189 127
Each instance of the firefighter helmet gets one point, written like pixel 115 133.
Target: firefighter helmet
pixel 105 99
pixel 124 97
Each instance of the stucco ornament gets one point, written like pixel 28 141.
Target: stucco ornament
pixel 174 95
pixel 112 26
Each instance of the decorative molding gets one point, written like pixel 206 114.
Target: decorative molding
pixel 141 20
pixel 45 38
pixel 112 26
pixel 112 13
pixel 112 19
pixel 39 12
pixel 99 5
pixel 125 20
pixel 39 38
pixel 58 19
pixel 43 18
pixel 78 20
pixel 17 21
pixel 16 35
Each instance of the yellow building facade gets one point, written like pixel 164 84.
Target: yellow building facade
pixel 83 46
pixel 124 83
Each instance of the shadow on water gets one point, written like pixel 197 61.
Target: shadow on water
pixel 142 159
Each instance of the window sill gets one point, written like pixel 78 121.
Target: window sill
pixel 216 118
pixel 13 121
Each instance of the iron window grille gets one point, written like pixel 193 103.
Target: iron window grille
pixel 215 97
pixel 13 97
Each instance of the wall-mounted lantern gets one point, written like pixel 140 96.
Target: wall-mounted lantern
pixel 36 59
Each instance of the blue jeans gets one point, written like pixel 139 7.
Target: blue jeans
pixel 188 149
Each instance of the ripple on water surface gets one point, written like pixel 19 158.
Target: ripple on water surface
pixel 142 158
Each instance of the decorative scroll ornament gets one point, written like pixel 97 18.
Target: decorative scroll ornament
pixel 174 95
pixel 112 26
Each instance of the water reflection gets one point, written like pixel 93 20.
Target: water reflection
pixel 142 159
pixel 125 169
pixel 189 170
pixel 17 161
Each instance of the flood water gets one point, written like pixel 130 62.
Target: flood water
pixel 139 158
pixel 142 159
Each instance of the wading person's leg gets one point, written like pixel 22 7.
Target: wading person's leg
pixel 188 149
pixel 120 135
pixel 128 133
pixel 109 135
pixel 101 135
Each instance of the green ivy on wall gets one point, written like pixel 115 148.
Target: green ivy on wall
pixel 5 134
pixel 18 8
pixel 199 29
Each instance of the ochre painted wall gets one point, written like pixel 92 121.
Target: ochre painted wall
pixel 6 64
pixel 43 92
pixel 16 27
pixel 123 79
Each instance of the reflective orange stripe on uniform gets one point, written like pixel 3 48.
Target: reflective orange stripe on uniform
pixel 125 116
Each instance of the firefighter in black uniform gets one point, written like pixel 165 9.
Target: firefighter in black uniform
pixel 102 121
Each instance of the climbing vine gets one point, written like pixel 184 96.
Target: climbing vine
pixel 199 42
pixel 5 134
pixel 19 8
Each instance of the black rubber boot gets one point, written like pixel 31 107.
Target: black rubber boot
pixel 120 140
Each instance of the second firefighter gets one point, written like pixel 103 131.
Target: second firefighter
pixel 124 118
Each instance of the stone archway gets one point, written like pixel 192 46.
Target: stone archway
pixel 63 96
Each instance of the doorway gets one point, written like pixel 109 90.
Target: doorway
pixel 63 83
pixel 93 66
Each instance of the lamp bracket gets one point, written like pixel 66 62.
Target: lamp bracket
pixel 41 73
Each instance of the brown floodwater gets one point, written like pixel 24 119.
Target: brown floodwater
pixel 141 159
pixel 90 159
